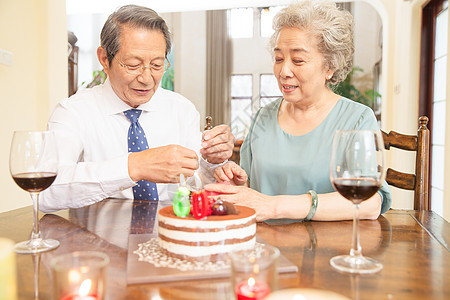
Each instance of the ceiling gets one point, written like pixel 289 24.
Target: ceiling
pixel 162 6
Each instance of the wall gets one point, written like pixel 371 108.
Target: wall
pixel 189 43
pixel 400 98
pixel 447 141
pixel 34 31
pixel 87 28
pixel 399 84
pixel 368 38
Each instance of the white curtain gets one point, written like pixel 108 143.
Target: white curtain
pixel 218 67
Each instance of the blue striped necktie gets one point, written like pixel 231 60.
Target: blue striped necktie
pixel 144 190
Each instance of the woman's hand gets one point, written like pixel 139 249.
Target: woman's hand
pixel 263 205
pixel 231 172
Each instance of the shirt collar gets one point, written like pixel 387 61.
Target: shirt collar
pixel 112 104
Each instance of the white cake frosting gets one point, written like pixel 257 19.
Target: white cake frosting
pixel 214 236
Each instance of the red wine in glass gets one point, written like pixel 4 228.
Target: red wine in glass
pixel 34 181
pixel 33 162
pixel 356 189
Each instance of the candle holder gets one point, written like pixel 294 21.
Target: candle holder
pixel 79 275
pixel 254 272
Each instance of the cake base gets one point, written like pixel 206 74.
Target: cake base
pixel 151 252
pixel 206 240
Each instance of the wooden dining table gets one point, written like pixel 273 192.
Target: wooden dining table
pixel 413 246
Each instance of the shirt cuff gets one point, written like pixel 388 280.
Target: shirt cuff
pixel 207 169
pixel 114 175
pixel 210 166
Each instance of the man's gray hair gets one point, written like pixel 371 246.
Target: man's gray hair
pixel 136 17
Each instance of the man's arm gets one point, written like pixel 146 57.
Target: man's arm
pixel 79 182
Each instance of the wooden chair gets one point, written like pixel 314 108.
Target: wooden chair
pixel 73 70
pixel 419 181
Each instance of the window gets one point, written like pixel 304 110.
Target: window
pixel 241 21
pixel 252 85
pixel 268 89
pixel 432 92
pixel 241 104
pixel 267 14
pixel 438 115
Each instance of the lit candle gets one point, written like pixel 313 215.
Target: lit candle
pixel 252 290
pixel 83 292
pixel 77 297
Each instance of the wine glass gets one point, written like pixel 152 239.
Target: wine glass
pixel 33 162
pixel 357 173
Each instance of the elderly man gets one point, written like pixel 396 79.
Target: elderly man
pixel 130 138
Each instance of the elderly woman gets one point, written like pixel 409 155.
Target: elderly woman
pixel 287 150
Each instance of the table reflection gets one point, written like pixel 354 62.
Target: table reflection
pixel 36 265
pixel 310 245
pixel 143 217
pixel 109 220
pixel 73 235
pixel 415 261
pixel 375 235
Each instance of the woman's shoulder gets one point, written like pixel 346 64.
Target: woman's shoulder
pixel 354 114
pixel 352 109
pixel 353 106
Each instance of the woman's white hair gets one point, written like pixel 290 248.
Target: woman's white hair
pixel 333 28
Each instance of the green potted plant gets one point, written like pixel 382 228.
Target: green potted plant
pixel 348 90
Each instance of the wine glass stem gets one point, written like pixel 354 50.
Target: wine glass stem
pixel 356 250
pixel 36 234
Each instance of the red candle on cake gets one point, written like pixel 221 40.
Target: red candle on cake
pixel 252 290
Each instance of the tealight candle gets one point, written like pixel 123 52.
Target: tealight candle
pixel 78 297
pixel 79 275
pixel 252 290
pixel 254 272
pixel 83 292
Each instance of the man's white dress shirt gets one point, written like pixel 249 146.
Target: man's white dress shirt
pixel 91 132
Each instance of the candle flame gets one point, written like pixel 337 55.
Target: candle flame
pixel 255 269
pixel 85 287
pixel 251 281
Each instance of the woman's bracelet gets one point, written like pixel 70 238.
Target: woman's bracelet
pixel 312 210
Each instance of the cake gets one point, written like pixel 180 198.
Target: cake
pixel 208 239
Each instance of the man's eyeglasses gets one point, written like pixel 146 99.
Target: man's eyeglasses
pixel 140 68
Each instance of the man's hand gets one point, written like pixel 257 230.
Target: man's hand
pixel 162 164
pixel 217 145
